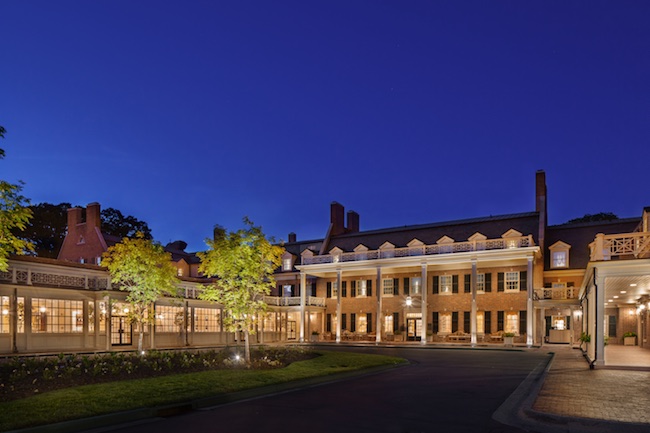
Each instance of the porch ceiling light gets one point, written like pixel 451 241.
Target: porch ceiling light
pixel 623 291
pixel 633 285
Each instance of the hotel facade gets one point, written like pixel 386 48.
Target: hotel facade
pixel 479 281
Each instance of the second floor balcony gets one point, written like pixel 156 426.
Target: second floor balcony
pixel 445 246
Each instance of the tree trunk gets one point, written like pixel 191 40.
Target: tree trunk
pixel 140 338
pixel 247 347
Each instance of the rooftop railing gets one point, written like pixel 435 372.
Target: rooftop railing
pixel 633 245
pixel 291 301
pixel 421 250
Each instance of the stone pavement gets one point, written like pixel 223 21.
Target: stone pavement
pixel 574 398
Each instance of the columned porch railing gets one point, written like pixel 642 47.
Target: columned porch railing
pixel 556 293
pixel 636 244
pixel 446 248
pixel 291 301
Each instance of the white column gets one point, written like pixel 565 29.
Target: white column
pixel 473 313
pixel 598 336
pixel 338 305
pixel 303 299
pixel 425 310
pixel 379 312
pixel 529 307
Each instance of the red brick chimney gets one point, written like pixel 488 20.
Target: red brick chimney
pixel 353 222
pixel 337 218
pixel 93 215
pixel 541 200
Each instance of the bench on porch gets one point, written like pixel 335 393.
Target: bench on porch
pixel 459 336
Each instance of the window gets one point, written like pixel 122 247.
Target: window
pixel 169 318
pixel 4 320
pixel 480 322
pixel 512 282
pixel 286 264
pixel 269 322
pixel 416 286
pixel 362 288
pixel 335 289
pixel 388 324
pixel 57 316
pixel 208 320
pixel 387 284
pixel 512 323
pixel 445 284
pixel 559 259
pixel 444 324
pixel 480 283
pixel 362 323
pixel 179 272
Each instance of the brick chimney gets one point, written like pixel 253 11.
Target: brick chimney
pixel 93 215
pixel 292 237
pixel 353 222
pixel 74 217
pixel 337 218
pixel 541 200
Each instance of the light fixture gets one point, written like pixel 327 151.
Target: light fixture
pixel 42 309
pixel 615 296
pixel 623 291
pixel 409 301
pixel 5 312
pixel 633 285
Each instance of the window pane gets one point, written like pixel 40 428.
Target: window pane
pixel 57 316
pixel 388 286
pixel 207 320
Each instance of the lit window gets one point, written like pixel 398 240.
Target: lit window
pixel 416 285
pixel 179 272
pixel 207 320
pixel 444 323
pixel 480 322
pixel 512 323
pixel 388 286
pixel 388 324
pixel 559 259
pixel 57 316
pixel 362 323
pixel 512 282
pixel 362 289
pixel 445 283
pixel 335 289
pixel 286 264
pixel 169 318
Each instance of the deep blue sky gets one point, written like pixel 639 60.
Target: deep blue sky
pixel 186 114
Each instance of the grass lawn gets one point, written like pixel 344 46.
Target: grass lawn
pixel 92 400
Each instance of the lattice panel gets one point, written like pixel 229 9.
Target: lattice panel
pixel 58 280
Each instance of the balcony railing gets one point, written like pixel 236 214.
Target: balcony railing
pixel 636 245
pixel 447 248
pixel 556 293
pixel 292 301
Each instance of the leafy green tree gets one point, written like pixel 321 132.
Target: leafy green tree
pixel 243 262
pixel 144 270
pixel 14 216
pixel 602 216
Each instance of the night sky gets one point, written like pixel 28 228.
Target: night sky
pixel 187 114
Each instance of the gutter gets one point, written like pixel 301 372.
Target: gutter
pixel 592 363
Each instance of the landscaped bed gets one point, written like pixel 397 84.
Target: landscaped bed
pixel 120 382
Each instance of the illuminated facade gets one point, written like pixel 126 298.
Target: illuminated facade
pixel 476 281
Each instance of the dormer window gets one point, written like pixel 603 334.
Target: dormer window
pixel 179 272
pixel 559 255
pixel 81 240
pixel 286 264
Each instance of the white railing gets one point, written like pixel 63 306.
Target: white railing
pixel 604 247
pixel 556 293
pixel 448 248
pixel 292 301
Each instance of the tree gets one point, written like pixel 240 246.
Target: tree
pixel 602 216
pixel 116 224
pixel 243 262
pixel 48 227
pixel 14 215
pixel 144 270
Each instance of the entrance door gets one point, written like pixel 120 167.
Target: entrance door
pixel 413 329
pixel 291 330
pixel 121 331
